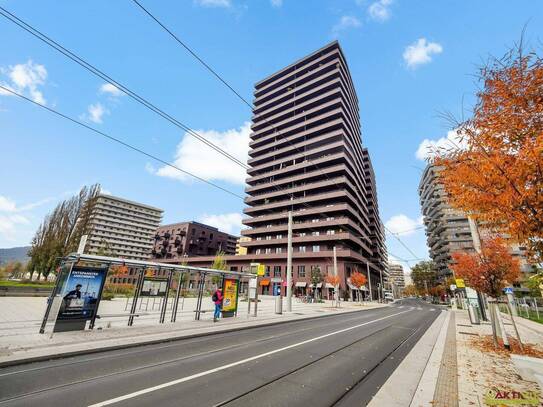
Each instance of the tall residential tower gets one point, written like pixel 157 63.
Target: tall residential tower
pixel 306 156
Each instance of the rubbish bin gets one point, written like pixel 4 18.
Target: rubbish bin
pixel 278 304
pixel 473 315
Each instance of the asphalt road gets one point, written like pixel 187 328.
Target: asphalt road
pixel 339 360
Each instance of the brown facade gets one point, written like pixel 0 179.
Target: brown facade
pixel 306 156
pixel 179 240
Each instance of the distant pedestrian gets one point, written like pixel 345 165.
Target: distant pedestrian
pixel 217 299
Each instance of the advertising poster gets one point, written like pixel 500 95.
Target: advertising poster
pixel 80 297
pixel 154 287
pixel 230 296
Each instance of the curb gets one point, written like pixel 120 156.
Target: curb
pixel 62 355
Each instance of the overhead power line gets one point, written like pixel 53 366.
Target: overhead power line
pixel 119 141
pixel 184 45
pixel 97 72
pixel 231 88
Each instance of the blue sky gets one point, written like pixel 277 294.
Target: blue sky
pixel 410 61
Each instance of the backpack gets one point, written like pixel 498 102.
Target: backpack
pixel 215 297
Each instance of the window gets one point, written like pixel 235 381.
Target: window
pixel 316 248
pixel 267 274
pixel 315 233
pixel 330 232
pixel 301 249
pixel 279 236
pixel 278 250
pixel 268 237
pixel 301 271
pixel 257 251
pixel 268 250
pixel 259 238
pixel 277 271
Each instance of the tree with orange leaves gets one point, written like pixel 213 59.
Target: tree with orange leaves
pixel 489 271
pixel 358 280
pixel 495 171
pixel 333 280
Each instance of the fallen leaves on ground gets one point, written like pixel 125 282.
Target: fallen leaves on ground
pixel 485 343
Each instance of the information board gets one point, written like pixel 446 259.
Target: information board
pixel 154 287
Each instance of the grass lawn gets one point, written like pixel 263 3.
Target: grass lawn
pixel 33 284
pixel 534 318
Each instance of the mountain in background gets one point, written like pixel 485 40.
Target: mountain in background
pixel 14 254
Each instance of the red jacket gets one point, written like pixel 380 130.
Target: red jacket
pixel 219 297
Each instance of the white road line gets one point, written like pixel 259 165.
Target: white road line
pixel 239 362
pixel 401 306
pixel 419 308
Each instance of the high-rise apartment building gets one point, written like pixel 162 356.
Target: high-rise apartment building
pixel 396 275
pixel 179 240
pixel 449 230
pixel 122 228
pixel 306 156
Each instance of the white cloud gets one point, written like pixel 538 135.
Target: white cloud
pixel 420 52
pixel 428 149
pixel 95 112
pixel 25 79
pixel 8 225
pixel 380 10
pixel 228 222
pixel 213 3
pixel 276 3
pixel 194 156
pixel 7 205
pixel 402 225
pixel 111 89
pixel 346 22
pixel 11 220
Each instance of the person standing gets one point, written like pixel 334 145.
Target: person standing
pixel 217 298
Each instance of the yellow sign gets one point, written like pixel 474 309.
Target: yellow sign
pixel 460 283
pixel 261 270
pixel 230 295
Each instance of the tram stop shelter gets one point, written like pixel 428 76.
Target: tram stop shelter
pixel 81 278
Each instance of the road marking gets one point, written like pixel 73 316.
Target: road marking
pixel 401 306
pixel 419 308
pixel 239 362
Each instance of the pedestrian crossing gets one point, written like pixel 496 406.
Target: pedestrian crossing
pixel 415 308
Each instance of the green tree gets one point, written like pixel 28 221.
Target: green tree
pixel 424 276
pixel 219 263
pixel 316 278
pixel 61 230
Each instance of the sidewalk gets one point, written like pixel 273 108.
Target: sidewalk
pixel 481 369
pixel 20 319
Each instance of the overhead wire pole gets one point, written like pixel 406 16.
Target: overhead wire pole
pixel 289 263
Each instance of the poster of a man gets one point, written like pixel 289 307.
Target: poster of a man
pixel 81 289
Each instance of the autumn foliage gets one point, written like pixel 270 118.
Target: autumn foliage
pixel 332 280
pixel 358 279
pixel 495 170
pixel 488 271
